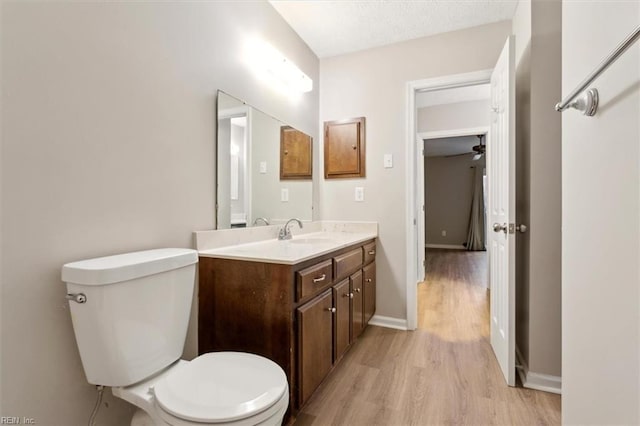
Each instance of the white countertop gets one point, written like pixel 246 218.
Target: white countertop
pixel 290 252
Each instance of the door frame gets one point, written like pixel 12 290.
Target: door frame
pixel 241 111
pixel 414 187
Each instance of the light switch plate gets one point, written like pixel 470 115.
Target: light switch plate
pixel 284 195
pixel 263 167
pixel 359 194
pixel 388 161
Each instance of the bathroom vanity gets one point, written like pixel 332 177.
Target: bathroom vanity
pixel 301 303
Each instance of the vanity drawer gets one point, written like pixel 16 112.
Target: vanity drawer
pixel 347 263
pixel 314 278
pixel 369 252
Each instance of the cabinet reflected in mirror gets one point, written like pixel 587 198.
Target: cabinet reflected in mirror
pixel 263 168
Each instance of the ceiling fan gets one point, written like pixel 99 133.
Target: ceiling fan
pixel 477 150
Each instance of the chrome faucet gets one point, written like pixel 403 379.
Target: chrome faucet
pixel 266 222
pixel 285 232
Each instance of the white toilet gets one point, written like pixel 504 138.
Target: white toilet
pixel 130 314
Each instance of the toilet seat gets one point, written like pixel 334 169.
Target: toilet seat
pixel 221 387
pixel 272 416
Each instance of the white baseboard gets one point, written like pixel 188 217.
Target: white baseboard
pixel 388 322
pixel 446 246
pixel 544 382
pixel 537 381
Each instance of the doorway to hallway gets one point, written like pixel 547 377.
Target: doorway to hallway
pixel 501 189
pixel 453 300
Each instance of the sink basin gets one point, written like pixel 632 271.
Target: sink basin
pixel 311 241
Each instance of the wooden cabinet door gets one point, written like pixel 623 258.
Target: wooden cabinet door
pixel 315 343
pixel 357 315
pixel 342 325
pixel 369 288
pixel 344 148
pixel 295 154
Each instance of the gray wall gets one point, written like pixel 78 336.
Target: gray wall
pixel 108 146
pixel 448 194
pixel 372 83
pixel 601 221
pixel 522 32
pixel 537 26
pixel 545 207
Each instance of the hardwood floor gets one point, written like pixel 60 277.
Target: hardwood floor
pixel 443 373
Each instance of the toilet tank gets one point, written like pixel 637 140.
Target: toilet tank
pixel 135 318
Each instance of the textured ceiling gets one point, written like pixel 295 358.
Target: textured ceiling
pixel 333 27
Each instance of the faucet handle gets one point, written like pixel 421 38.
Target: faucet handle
pixel 284 233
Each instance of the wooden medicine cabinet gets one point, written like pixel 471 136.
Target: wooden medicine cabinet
pixel 296 153
pixel 344 148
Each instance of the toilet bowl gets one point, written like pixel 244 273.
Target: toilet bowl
pixel 221 388
pixel 130 315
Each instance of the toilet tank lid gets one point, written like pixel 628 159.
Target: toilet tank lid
pixel 127 266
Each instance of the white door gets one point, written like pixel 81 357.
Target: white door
pixel 501 238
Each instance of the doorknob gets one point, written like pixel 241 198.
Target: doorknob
pixel 521 228
pixel 497 227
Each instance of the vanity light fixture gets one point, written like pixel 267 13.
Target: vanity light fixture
pixel 272 65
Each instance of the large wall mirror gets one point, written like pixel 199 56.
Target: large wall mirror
pixel 264 168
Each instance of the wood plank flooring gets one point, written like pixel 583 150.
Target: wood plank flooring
pixel 444 373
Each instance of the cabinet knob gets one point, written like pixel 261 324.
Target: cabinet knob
pixel 349 295
pixel 354 147
pixel 332 310
pixel 357 290
pixel 320 279
pixel 369 280
pixel 286 152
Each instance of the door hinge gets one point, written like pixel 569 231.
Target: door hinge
pixel 424 263
pixel 414 221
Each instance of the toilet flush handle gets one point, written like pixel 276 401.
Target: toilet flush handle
pixel 77 297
